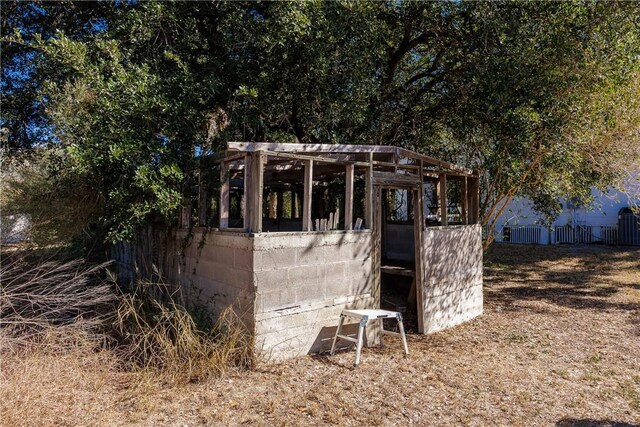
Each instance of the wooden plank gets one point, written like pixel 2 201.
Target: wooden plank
pixel 330 223
pixel 308 148
pixel 442 192
pixel 377 254
pixel 464 201
pixel 348 198
pixel 306 198
pixel 317 159
pixel 369 195
pixel 416 292
pixel 224 195
pixel 391 179
pixel 397 270
pixel 474 197
pixel 247 199
pixel 396 165
pixel 257 192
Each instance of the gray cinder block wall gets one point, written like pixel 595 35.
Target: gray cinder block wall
pixel 289 288
pixel 303 282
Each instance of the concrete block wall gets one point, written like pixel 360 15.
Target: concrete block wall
pixel 452 276
pixel 214 268
pixel 218 266
pixel 288 287
pixel 303 281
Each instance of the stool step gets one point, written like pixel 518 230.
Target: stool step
pixel 344 337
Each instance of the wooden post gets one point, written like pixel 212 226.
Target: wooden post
pixel 306 200
pixel 415 293
pixel 369 196
pixel 256 192
pixel 247 200
pixel 464 201
pixel 348 198
pixel 474 198
pixel 442 189
pixel 224 195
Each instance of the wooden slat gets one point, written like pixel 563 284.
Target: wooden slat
pixel 465 209
pixel 415 294
pixel 348 198
pixel 391 179
pixel 442 191
pixel 317 159
pixel 474 197
pixel 306 200
pixel 224 195
pixel 369 196
pixel 247 200
pixel 308 148
pixel 256 192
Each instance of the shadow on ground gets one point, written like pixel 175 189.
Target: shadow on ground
pixel 574 422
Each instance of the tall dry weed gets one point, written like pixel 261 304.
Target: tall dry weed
pixel 45 298
pixel 158 334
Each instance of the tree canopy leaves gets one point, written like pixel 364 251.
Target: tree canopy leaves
pixel 541 98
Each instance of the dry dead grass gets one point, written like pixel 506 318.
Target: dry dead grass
pixel 559 344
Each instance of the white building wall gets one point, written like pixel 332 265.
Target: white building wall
pixel 600 216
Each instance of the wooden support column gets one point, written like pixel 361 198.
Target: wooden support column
pixel 306 200
pixel 474 198
pixel 442 190
pixel 255 212
pixel 348 198
pixel 247 200
pixel 369 196
pixel 464 201
pixel 224 195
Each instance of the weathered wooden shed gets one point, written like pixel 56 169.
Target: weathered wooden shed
pixel 291 234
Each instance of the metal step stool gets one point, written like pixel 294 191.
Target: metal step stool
pixel 365 316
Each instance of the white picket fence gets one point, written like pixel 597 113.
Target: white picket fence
pixel 533 234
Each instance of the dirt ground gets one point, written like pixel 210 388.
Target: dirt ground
pixel 558 344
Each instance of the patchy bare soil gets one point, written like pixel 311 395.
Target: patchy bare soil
pixel 559 344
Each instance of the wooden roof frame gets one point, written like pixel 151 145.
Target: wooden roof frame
pixel 397 168
pixel 315 152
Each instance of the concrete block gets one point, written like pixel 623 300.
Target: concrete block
pixel 276 299
pixel 218 254
pixel 306 275
pixel 209 269
pixel 312 255
pixel 308 292
pixel 243 259
pixel 242 279
pixel 268 280
pixel 275 259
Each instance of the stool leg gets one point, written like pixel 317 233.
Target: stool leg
pixel 404 337
pixel 363 322
pixel 381 333
pixel 335 338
